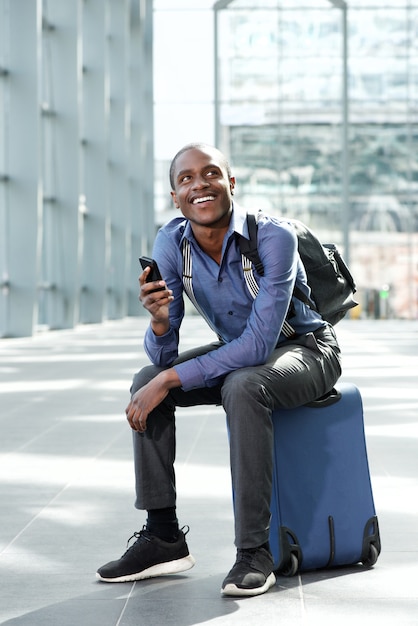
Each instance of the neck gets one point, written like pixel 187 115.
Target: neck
pixel 210 240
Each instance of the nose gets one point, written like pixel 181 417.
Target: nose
pixel 200 182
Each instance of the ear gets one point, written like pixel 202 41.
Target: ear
pixel 175 201
pixel 232 185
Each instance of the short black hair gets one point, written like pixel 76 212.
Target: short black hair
pixel 198 146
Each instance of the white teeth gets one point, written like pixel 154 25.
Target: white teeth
pixel 205 199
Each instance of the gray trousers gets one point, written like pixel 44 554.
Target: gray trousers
pixel 298 372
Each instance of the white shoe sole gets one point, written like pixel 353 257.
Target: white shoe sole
pixel 161 569
pixel 233 590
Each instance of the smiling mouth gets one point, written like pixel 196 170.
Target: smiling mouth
pixel 204 199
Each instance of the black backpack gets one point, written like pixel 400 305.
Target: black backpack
pixel 332 285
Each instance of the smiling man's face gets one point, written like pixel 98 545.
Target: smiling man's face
pixel 202 187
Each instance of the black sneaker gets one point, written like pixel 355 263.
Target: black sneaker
pixel 149 556
pixel 251 575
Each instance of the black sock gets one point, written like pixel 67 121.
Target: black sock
pixel 163 523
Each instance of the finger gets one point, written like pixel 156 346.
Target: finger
pixel 130 416
pixel 130 422
pixel 157 288
pixel 137 420
pixel 143 276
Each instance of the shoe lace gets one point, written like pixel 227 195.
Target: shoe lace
pixel 141 537
pixel 245 555
pixel 145 536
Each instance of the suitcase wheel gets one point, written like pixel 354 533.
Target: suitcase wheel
pixel 292 566
pixel 372 556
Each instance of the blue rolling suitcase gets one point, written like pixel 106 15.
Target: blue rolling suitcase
pixel 322 509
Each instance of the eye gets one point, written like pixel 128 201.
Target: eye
pixel 212 173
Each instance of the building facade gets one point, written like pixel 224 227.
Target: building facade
pixel 317 108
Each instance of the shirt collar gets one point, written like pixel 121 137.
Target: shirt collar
pixel 239 221
pixel 238 224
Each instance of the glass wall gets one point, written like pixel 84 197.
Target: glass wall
pixel 281 121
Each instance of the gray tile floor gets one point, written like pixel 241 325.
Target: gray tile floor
pixel 66 489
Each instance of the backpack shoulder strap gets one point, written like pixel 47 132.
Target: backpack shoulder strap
pixel 300 295
pixel 248 247
pixel 250 256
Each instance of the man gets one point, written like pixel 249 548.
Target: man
pixel 253 368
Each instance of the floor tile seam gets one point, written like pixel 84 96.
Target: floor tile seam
pixel 64 488
pixel 195 440
pixel 119 622
pixel 301 597
pixel 48 430
pixel 29 442
pixel 34 518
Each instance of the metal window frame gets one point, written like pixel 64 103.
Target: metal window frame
pixel 345 203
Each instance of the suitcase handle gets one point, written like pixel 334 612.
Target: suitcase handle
pixel 327 400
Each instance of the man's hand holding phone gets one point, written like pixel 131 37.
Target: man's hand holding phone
pixel 154 295
pixel 154 274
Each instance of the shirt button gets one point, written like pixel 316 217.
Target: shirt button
pixel 230 312
pixel 220 279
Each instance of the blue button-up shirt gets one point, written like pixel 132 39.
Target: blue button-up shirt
pixel 250 328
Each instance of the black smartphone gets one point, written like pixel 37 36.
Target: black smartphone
pixel 154 273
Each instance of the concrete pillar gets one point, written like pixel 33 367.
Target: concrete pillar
pixel 76 160
pixel 19 166
pixel 141 151
pixel 117 36
pixel 93 172
pixel 58 278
